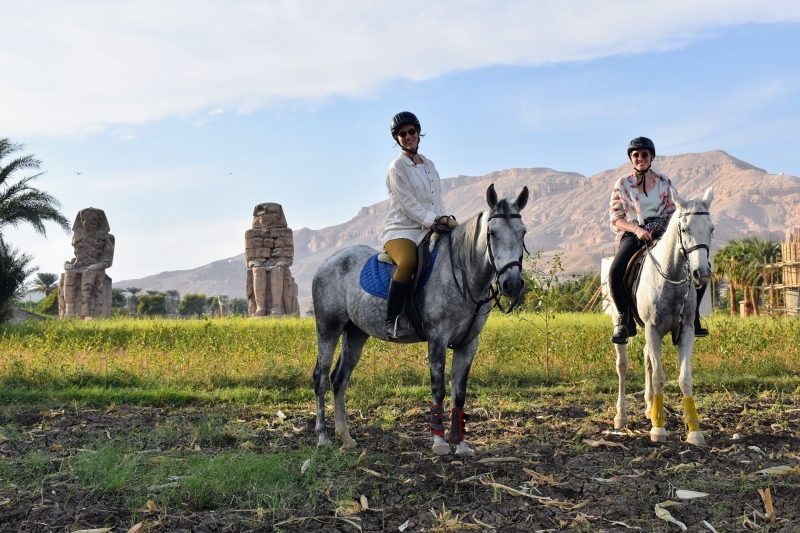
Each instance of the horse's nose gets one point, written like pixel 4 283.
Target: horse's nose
pixel 512 286
pixel 701 276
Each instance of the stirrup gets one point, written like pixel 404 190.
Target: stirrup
pixel 620 335
pixel 395 330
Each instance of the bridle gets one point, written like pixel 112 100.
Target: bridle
pixel 494 288
pixel 684 251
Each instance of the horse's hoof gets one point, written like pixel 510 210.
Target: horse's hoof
pixel 620 422
pixel 696 438
pixel 440 446
pixel 323 441
pixel 348 443
pixel 658 434
pixel 464 450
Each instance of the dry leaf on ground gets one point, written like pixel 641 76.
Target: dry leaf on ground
pixel 780 470
pixel 766 497
pixel 371 472
pixel 689 494
pixel 604 442
pixel 665 515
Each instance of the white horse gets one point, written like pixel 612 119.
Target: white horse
pixel 666 301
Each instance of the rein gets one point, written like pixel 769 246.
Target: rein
pixel 494 288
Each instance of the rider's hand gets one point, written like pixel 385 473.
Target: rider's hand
pixel 449 221
pixel 642 234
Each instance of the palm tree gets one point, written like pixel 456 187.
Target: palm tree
pixel 174 298
pixel 765 252
pixel 725 266
pixel 45 282
pixel 133 291
pixel 21 203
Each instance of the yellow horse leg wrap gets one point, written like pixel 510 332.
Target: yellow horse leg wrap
pixel 657 415
pixel 690 417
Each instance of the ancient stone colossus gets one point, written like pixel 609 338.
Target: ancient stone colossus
pixel 269 250
pixel 85 289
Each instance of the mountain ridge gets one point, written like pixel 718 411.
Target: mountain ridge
pixel 567 213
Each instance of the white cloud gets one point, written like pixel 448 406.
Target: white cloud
pixel 75 67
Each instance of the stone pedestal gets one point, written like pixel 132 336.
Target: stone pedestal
pixel 271 291
pixel 84 293
pixel 269 251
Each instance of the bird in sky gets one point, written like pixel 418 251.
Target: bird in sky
pixel 78 173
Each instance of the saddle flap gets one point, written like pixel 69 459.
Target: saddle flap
pixel 631 281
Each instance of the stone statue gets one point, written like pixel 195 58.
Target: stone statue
pixel 85 289
pixel 269 250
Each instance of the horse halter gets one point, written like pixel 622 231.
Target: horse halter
pixel 686 251
pixel 511 264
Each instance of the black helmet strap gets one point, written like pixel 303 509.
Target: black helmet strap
pixel 642 175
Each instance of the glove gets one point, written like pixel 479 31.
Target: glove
pixel 449 221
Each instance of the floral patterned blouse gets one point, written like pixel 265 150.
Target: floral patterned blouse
pixel 625 200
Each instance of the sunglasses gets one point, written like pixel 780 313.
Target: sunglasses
pixel 642 155
pixel 410 131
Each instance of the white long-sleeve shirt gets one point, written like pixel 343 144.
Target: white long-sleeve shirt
pixel 414 203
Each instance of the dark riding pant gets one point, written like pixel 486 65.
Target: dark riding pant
pixel 628 246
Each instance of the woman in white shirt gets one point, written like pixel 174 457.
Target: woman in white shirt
pixel 415 207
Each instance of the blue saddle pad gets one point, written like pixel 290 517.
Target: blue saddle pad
pixel 375 275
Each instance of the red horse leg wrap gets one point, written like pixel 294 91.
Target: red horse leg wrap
pixel 437 426
pixel 457 430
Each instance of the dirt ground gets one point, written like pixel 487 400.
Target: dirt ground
pixel 537 469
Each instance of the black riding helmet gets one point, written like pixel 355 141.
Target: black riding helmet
pixel 641 142
pixel 403 118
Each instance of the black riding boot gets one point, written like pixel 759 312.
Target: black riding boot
pixel 699 330
pixel 620 335
pixel 394 309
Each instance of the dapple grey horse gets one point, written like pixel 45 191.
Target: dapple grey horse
pixel 666 301
pixel 483 252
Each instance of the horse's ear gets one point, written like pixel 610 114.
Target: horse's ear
pixel 708 197
pixel 522 199
pixel 676 199
pixel 491 196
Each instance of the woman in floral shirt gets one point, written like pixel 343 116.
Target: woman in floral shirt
pixel 640 210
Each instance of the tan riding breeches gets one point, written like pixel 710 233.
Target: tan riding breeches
pixel 404 253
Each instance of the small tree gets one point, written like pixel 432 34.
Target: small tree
pixel 192 304
pixel 238 306
pixel 14 270
pixel 544 296
pixel 48 305
pixel 212 304
pixel 152 304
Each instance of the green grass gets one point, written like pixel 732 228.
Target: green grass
pixel 271 361
pixel 233 480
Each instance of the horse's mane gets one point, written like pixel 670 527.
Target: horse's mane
pixel 469 238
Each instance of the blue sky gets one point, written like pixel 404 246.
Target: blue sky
pixel 181 119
